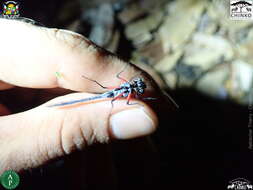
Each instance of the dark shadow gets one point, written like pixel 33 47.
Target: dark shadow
pixel 204 144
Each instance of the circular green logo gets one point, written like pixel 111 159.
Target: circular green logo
pixel 10 179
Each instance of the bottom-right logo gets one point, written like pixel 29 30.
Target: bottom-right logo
pixel 240 184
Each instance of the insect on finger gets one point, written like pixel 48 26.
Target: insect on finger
pixel 136 86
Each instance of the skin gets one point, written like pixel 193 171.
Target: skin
pixel 30 57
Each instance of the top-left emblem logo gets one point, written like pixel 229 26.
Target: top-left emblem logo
pixel 10 9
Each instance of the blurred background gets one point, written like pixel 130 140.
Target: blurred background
pixel 196 53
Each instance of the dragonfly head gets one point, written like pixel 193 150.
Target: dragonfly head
pixel 139 86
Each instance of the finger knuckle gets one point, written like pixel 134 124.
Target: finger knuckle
pixel 77 132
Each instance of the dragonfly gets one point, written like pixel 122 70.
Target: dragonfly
pixel 127 89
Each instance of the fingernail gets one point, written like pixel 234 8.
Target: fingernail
pixel 131 123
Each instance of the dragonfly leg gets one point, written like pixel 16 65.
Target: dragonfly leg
pixel 112 102
pixel 146 98
pixel 95 82
pixel 118 75
pixel 149 98
pixel 105 87
pixel 115 98
pixel 129 98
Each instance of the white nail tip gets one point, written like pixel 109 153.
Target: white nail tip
pixel 131 123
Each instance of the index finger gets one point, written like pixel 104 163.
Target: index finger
pixel 31 55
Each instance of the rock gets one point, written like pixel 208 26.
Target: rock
pixel 207 25
pixel 184 82
pixel 114 42
pixel 177 28
pixel 140 32
pixel 241 79
pixel 142 39
pixel 102 21
pixel 213 83
pixel 190 72
pixel 130 13
pixel 193 43
pixel 149 54
pixel 168 62
pixel 206 50
pixel 171 79
pixel 245 49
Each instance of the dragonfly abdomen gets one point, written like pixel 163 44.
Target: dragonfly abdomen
pixel 105 95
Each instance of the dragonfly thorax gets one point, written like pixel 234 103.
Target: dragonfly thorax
pixel 137 85
pixel 125 88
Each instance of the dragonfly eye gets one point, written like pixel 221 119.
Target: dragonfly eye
pixel 141 84
pixel 140 91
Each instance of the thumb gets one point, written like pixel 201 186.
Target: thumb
pixel 31 138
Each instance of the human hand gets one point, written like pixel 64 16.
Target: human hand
pixel 30 57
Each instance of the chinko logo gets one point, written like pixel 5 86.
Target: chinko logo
pixel 240 184
pixel 241 10
pixel 10 9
